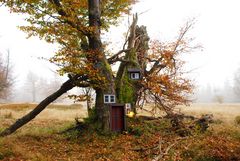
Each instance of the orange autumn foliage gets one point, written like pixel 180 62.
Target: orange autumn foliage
pixel 66 23
pixel 164 82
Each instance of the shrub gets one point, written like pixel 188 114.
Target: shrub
pixel 137 131
pixel 237 120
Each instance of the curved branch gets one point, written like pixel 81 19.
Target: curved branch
pixel 68 85
pixel 115 57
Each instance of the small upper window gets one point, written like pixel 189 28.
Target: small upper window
pixel 135 75
pixel 109 98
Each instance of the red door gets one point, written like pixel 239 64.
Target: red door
pixel 117 118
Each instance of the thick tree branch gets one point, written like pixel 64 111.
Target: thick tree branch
pixel 66 17
pixel 115 57
pixel 40 107
pixel 74 80
pixel 156 66
pixel 132 36
pixel 59 7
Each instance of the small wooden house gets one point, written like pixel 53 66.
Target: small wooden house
pixel 134 73
pixel 116 113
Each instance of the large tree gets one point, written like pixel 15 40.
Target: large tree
pixel 77 25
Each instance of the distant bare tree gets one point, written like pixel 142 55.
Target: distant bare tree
pixel 89 94
pixel 39 87
pixel 6 80
pixel 49 86
pixel 31 84
pixel 237 82
pixel 84 95
pixel 219 99
pixel 205 94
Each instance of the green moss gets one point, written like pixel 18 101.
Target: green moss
pixel 132 57
pixel 126 88
pixel 127 91
pixel 91 123
pixel 92 116
pixel 108 67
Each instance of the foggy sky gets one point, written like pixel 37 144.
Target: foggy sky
pixel 217 29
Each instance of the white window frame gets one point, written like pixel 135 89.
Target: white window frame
pixel 110 98
pixel 135 75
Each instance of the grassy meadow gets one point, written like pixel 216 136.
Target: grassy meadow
pixel 47 138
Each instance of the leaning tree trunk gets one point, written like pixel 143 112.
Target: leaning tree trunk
pixel 40 107
pixel 127 89
pixel 98 58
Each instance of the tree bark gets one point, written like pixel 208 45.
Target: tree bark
pixel 40 107
pixel 127 89
pixel 100 63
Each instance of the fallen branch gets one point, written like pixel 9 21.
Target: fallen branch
pixel 40 107
pixel 165 152
pixel 158 146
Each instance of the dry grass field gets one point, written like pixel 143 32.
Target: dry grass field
pixel 224 112
pixel 42 138
pixel 53 112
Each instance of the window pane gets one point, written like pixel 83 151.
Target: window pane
pixel 106 99
pixel 112 99
pixel 133 75
pixel 137 76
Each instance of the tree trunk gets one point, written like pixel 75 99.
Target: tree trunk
pixel 127 89
pixel 100 63
pixel 40 107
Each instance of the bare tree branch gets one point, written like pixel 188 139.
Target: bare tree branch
pixel 115 57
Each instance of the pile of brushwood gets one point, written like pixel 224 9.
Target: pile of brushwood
pixel 186 125
pixel 181 124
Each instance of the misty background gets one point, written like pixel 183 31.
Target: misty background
pixel 214 69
